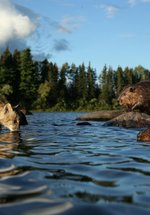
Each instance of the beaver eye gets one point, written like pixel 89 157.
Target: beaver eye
pixel 132 89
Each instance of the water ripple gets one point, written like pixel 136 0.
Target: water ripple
pixel 53 166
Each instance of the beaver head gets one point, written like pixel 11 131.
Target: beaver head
pixel 9 118
pixel 128 97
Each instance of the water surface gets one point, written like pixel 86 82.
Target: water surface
pixel 53 166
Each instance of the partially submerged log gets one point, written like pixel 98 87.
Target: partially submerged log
pixel 119 118
pixel 83 123
pixel 130 120
pixel 101 115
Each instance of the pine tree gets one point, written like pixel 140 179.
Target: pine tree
pixel 91 82
pixel 7 75
pixel 16 82
pixel 128 76
pixel 107 86
pixel 141 73
pixel 110 84
pixel 103 85
pixel 73 94
pixel 44 68
pixel 62 85
pixel 82 88
pixel 119 81
pixel 28 78
pixel 53 83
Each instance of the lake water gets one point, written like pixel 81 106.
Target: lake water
pixel 54 167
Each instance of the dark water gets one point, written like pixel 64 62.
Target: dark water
pixel 54 167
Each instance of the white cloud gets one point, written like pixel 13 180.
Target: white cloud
pixel 70 23
pixel 13 24
pixel 134 2
pixel 110 10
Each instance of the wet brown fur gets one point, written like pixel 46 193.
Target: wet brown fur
pixel 144 135
pixel 136 96
pixel 8 117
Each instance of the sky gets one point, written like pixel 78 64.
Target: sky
pixel 100 32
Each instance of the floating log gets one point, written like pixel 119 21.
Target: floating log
pixel 101 115
pixel 83 123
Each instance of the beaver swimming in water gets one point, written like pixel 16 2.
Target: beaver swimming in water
pixel 136 96
pixel 144 135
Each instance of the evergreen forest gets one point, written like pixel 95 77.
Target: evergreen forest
pixel 42 85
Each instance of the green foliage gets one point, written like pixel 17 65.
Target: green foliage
pixel 44 86
pixel 6 90
pixel 119 80
pixel 82 88
pixel 91 82
pixel 107 86
pixel 28 78
pixel 43 93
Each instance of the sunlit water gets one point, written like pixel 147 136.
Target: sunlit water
pixel 54 166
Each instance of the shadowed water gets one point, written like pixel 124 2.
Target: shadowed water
pixel 53 166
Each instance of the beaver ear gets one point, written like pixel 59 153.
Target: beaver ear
pixel 131 89
pixel 8 108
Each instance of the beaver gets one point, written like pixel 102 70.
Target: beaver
pixel 136 96
pixel 144 135
pixel 11 117
pixel 8 117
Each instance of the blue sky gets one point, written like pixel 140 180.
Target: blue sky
pixel 111 32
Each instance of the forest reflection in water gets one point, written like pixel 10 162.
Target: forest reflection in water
pixel 8 142
pixel 53 166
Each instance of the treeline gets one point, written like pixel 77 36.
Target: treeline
pixel 42 85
